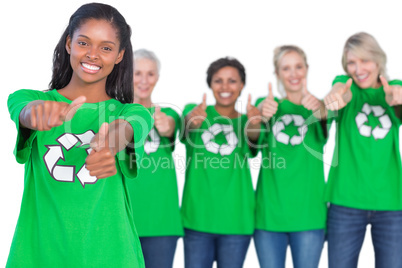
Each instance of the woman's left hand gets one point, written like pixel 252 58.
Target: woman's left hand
pixel 393 94
pixel 163 123
pixel 101 160
pixel 309 101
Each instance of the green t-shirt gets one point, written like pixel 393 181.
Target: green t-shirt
pixel 69 218
pixel 218 195
pixel 154 194
pixel 366 165
pixel 291 183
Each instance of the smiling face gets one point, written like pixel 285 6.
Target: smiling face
pixel 226 85
pixel 363 71
pixel 94 51
pixel 145 78
pixel 291 71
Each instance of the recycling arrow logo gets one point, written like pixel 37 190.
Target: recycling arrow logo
pixel 66 173
pixel 224 149
pixel 380 131
pixel 151 145
pixel 284 121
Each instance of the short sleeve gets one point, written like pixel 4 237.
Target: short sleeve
pixel 142 122
pixel 259 100
pixel 395 83
pixel 340 79
pixel 25 137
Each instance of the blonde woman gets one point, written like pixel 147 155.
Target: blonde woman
pixel 364 184
pixel 290 208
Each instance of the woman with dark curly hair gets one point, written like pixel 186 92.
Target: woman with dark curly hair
pixel 218 198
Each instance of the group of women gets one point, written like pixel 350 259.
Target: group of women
pixel 84 140
pixel 293 205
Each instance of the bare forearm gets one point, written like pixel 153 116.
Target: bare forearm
pixel 253 132
pixel 321 112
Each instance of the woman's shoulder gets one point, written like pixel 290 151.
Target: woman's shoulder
pixel 33 92
pixel 340 79
pixel 27 95
pixel 132 107
pixel 170 112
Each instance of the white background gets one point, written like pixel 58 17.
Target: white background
pixel 187 36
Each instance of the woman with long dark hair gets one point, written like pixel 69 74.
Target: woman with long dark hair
pixel 73 139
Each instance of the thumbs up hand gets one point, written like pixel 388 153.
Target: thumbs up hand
pixel 198 114
pixel 101 161
pixel 45 115
pixel 308 100
pixel 393 94
pixel 339 96
pixel 253 126
pixel 163 123
pixel 269 106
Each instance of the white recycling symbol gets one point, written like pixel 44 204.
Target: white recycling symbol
pixel 380 131
pixel 281 124
pixel 55 153
pixel 151 145
pixel 213 147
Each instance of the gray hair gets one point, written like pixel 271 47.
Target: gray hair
pixel 147 54
pixel 365 46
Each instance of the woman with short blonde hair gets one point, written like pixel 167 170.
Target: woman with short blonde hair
pixel 364 182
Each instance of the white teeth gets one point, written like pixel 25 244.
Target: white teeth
pixel 361 77
pixel 294 81
pixel 225 94
pixel 91 67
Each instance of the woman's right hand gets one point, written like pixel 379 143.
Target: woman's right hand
pixel 339 96
pixel 45 115
pixel 269 106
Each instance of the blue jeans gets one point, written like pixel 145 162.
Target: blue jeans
pixel 158 251
pixel 201 249
pixel 306 248
pixel 346 231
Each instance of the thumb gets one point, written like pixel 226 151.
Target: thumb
pixel 347 85
pixel 102 140
pixel 157 110
pixel 385 85
pixel 72 108
pixel 249 102
pixel 204 101
pixel 304 87
pixel 270 94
